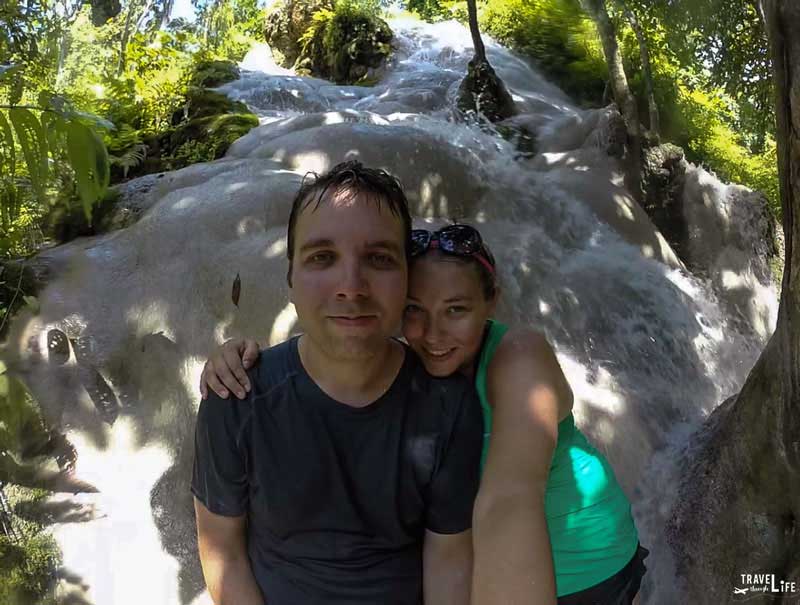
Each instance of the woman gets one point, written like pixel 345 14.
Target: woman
pixel 550 522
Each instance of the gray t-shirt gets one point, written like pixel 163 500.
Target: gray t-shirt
pixel 338 498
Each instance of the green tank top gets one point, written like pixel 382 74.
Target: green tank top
pixel 592 534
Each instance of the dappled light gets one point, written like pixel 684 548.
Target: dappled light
pixel 651 335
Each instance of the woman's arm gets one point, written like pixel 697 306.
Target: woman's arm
pixel 513 560
pixel 225 368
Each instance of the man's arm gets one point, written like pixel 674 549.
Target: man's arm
pixel 447 568
pixel 513 558
pixel 222 542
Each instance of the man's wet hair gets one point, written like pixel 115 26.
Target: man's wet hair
pixel 351 178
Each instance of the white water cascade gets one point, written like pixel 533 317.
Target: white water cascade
pixel 648 348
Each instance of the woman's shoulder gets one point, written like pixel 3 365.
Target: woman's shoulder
pixel 525 356
pixel 525 342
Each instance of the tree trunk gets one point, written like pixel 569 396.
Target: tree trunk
pixel 738 504
pixel 482 92
pixel 622 92
pixel 123 46
pixel 477 41
pixel 647 72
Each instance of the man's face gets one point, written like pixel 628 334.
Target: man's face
pixel 349 275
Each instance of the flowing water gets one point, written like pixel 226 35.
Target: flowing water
pixel 648 348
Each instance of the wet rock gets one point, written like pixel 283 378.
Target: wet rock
pixel 482 91
pixel 663 176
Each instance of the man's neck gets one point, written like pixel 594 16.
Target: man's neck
pixel 354 383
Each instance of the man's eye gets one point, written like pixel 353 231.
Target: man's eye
pixel 411 309
pixel 382 259
pixel 455 309
pixel 320 257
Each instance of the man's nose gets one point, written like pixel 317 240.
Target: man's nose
pixel 353 282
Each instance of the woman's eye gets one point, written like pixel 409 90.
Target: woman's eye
pixel 456 309
pixel 411 309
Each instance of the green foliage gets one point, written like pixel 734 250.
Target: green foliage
pixel 558 36
pixel 58 135
pixel 230 27
pixel 207 138
pixel 30 562
pixel 429 10
pixel 211 73
pixel 28 568
pixel 697 112
pixel 726 38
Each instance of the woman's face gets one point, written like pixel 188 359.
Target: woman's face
pixel 445 314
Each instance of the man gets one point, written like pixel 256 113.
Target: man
pixel 347 474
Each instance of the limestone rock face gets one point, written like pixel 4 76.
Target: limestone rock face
pixel 286 23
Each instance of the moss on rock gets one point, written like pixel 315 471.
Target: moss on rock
pixel 285 25
pixel 343 43
pixel 207 138
pixel 210 74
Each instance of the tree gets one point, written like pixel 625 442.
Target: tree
pixel 482 91
pixel 728 38
pixel 647 72
pixel 739 500
pixel 623 97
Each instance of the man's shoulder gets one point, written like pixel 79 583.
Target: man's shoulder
pixel 274 366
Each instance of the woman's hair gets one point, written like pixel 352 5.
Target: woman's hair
pixel 487 278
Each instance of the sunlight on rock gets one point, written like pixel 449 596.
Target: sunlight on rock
pixel 314 161
pixel 334 117
pixel 233 187
pixel 185 202
pixel 150 319
pixel 624 207
pixel 277 248
pixel 250 225
pixel 430 183
pixel 283 324
pixel 122 535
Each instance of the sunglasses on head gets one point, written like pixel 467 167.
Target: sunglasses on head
pixel 459 240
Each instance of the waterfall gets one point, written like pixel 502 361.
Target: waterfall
pixel 649 348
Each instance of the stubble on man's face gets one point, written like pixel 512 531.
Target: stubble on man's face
pixel 349 276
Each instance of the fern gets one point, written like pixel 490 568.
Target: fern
pixel 7 148
pixel 130 158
